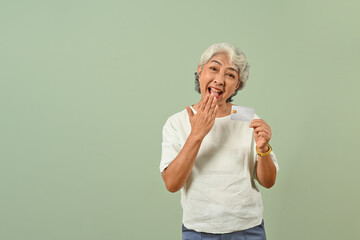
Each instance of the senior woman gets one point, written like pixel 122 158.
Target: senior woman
pixel 215 160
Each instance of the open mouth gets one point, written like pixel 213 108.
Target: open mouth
pixel 215 92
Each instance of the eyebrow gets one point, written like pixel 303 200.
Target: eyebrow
pixel 231 68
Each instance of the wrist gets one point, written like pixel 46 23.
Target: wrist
pixel 262 152
pixel 263 149
pixel 196 137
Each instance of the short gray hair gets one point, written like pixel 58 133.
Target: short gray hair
pixel 236 56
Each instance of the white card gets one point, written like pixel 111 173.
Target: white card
pixel 240 113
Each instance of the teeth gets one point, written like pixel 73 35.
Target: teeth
pixel 215 90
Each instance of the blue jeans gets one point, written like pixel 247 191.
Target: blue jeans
pixel 255 233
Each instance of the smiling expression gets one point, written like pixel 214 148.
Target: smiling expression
pixel 219 77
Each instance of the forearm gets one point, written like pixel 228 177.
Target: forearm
pixel 266 171
pixel 176 174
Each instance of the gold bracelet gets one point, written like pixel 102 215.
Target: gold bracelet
pixel 265 153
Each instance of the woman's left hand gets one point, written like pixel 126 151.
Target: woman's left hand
pixel 262 134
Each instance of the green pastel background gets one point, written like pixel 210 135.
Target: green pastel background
pixel 86 86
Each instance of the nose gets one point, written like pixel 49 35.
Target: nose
pixel 219 79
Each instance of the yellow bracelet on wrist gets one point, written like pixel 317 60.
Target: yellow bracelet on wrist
pixel 265 153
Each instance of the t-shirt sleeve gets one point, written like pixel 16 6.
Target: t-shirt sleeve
pixel 171 145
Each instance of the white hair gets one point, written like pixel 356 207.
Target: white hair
pixel 237 58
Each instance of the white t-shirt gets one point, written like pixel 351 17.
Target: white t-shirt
pixel 220 195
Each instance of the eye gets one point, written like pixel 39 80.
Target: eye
pixel 231 75
pixel 213 68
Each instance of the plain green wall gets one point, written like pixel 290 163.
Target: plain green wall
pixel 86 86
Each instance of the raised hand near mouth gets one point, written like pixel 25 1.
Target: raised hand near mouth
pixel 204 119
pixel 178 171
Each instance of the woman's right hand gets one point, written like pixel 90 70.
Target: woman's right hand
pixel 204 119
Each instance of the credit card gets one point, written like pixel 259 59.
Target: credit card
pixel 241 113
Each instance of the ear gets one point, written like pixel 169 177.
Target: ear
pixel 199 70
pixel 239 85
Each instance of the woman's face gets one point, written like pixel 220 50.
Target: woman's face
pixel 219 77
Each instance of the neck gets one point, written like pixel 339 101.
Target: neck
pixel 224 110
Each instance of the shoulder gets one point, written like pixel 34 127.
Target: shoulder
pixel 177 119
pixel 179 115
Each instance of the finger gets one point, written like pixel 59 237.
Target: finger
pixel 213 105
pixel 264 135
pixel 215 111
pixel 261 129
pixel 257 122
pixel 190 112
pixel 208 104
pixel 212 108
pixel 203 103
pixel 266 129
